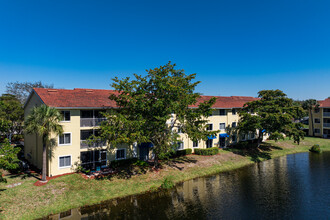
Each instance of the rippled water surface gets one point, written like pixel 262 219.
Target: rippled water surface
pixel 291 187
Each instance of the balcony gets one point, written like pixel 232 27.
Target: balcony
pixel 326 125
pixel 91 122
pixel 84 144
pixel 326 114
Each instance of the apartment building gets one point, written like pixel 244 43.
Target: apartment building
pixel 82 114
pixel 321 118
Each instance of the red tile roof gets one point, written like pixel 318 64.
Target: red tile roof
pixel 98 98
pixel 324 103
pixel 66 98
pixel 227 101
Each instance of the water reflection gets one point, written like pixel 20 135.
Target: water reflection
pixel 292 187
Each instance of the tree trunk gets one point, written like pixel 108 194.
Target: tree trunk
pixel 259 138
pixel 156 162
pixel 312 121
pixel 44 159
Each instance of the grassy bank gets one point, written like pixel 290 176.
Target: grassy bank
pixel 27 201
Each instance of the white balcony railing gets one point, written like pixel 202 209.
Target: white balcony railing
pixel 84 144
pixel 91 122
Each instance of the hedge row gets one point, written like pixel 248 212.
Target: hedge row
pixel 207 151
pixel 183 152
pixel 122 163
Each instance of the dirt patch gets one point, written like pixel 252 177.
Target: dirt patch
pixel 41 183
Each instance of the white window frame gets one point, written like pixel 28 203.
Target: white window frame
pixel 221 128
pixel 64 117
pixel 235 124
pixel 124 154
pixel 180 145
pixel 224 111
pixel 69 155
pixel 234 110
pixel 70 139
pixel 196 145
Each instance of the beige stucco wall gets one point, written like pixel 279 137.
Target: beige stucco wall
pixel 74 150
pixel 318 115
pixel 215 119
pixel 33 144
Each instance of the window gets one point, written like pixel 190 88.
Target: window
pixel 233 138
pixel 209 127
pixel 209 143
pixel 91 160
pixel 195 143
pixel 66 115
pixel 179 130
pixel 316 110
pixel 317 120
pixel 65 161
pixel 180 146
pixel 120 154
pixel 65 139
pixel 222 126
pixel 317 130
pixel 252 135
pixel 222 112
pixel 233 124
pixel 244 137
pixel 233 111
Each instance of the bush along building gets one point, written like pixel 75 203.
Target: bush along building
pixel 320 115
pixel 82 115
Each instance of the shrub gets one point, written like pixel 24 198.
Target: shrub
pixel 122 163
pixel 207 151
pixel 166 156
pixel 141 163
pixel 167 182
pixel 183 152
pixel 315 149
pixel 80 169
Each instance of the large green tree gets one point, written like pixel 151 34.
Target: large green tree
pixel 11 116
pixel 44 121
pixel 153 107
pixel 8 157
pixel 308 105
pixel 22 89
pixel 272 113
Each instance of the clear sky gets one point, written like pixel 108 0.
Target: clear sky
pixel 236 47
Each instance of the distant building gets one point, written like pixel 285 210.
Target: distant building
pixel 321 118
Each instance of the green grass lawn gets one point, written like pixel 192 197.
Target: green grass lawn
pixel 27 201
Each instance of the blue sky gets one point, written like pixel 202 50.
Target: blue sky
pixel 235 47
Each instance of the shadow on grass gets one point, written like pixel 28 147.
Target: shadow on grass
pixel 125 172
pixel 256 154
pixel 128 171
pixel 24 176
pixel 174 162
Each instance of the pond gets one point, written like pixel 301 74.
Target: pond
pixel 295 186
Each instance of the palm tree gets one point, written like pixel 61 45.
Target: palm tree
pixel 44 121
pixel 308 105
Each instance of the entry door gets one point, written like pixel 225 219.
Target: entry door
pixel 144 151
pixel 222 142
